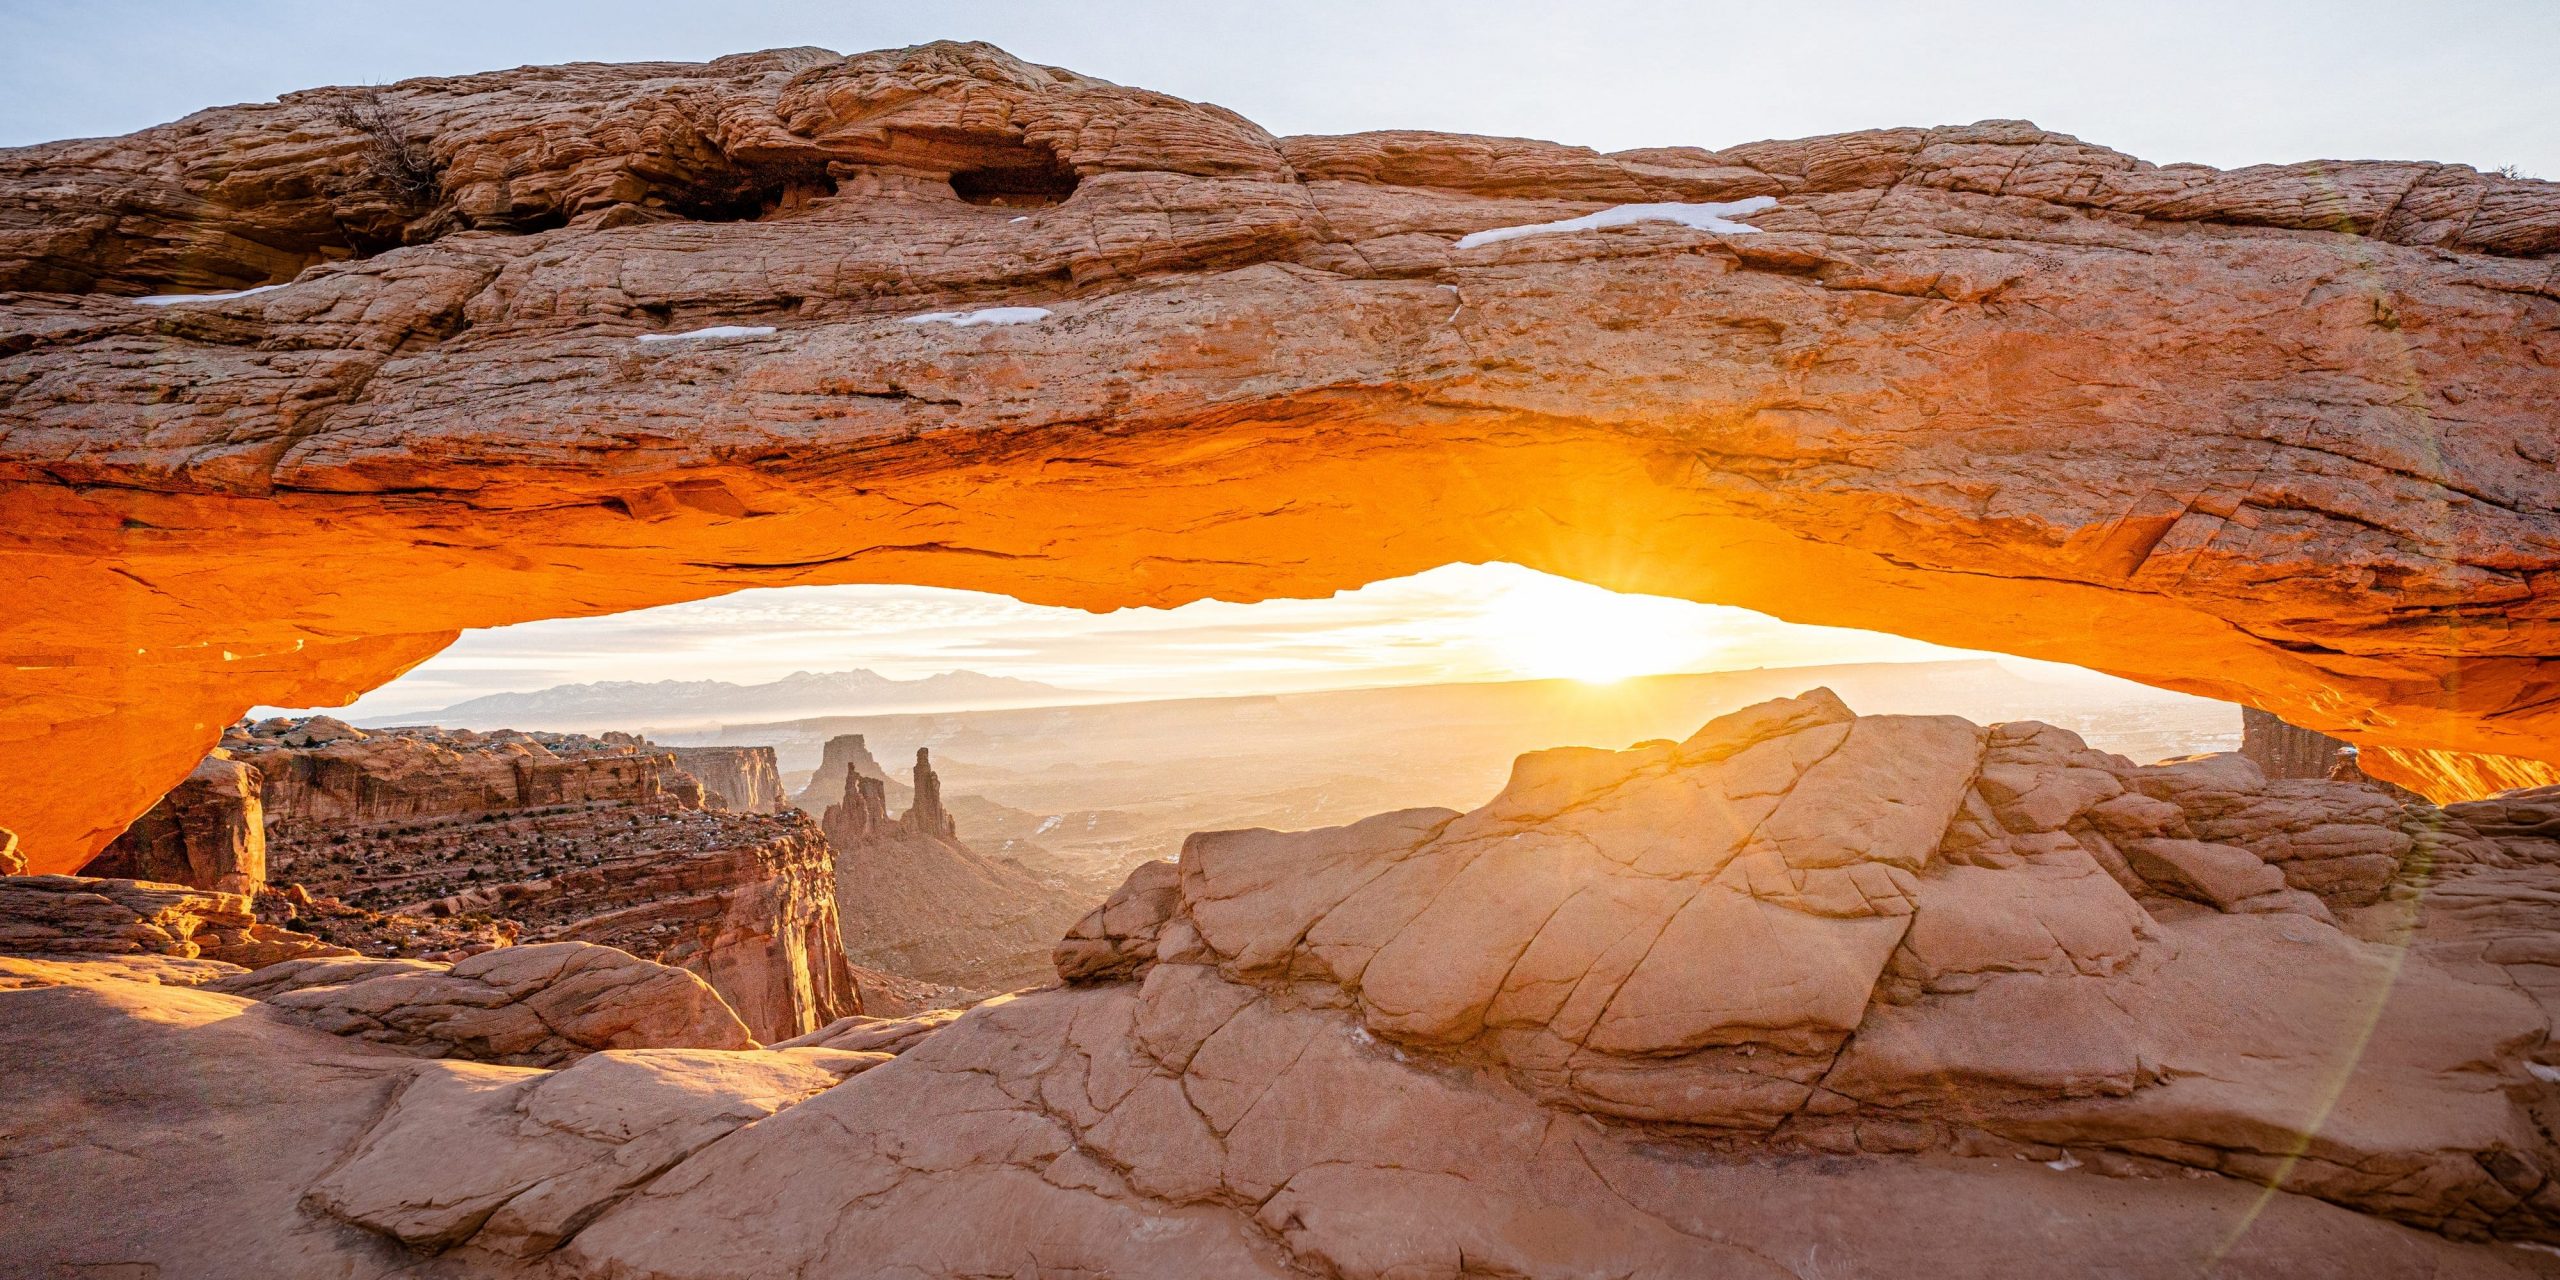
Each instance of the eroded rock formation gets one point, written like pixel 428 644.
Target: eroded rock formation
pixel 742 778
pixel 847 751
pixel 539 1005
pixel 1805 994
pixel 917 901
pixel 209 832
pixel 2278 435
pixel 1894 934
pixel 85 916
pixel 551 837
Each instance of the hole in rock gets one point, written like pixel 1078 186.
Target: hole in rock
pixel 745 193
pixel 1073 746
pixel 1036 178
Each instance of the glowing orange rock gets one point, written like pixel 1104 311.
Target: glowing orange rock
pixel 2280 435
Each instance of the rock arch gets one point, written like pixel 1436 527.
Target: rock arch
pixel 2282 435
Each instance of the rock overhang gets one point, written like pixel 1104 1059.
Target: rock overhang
pixel 2267 434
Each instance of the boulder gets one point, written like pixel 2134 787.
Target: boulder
pixel 2214 873
pixel 209 832
pixel 515 1161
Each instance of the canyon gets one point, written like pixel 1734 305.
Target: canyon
pixel 1805 993
pixel 434 843
pixel 2276 435
pixel 291 393
pixel 918 902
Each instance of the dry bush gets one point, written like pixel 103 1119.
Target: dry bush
pixel 395 163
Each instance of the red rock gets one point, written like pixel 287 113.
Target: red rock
pixel 1376 1051
pixel 2066 404
pixel 542 1004
pixel 559 837
pixel 210 832
pixel 84 915
pixel 741 778
pixel 2211 873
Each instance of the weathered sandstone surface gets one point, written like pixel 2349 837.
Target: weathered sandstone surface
pixel 86 916
pixel 827 786
pixel 1807 994
pixel 742 778
pixel 544 837
pixel 279 1152
pixel 209 832
pixel 2279 435
pixel 540 1005
pixel 917 901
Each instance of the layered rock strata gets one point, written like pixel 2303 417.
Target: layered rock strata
pixel 209 832
pixel 742 778
pixel 539 1005
pixel 83 916
pixel 2275 435
pixel 1805 994
pixel 285 1152
pixel 1835 934
pixel 553 837
pixel 843 752
pixel 915 900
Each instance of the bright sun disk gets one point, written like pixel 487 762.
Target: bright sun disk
pixel 1554 628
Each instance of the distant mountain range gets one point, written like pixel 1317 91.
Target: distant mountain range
pixel 638 704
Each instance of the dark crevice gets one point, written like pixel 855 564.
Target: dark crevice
pixel 1032 177
pixel 744 193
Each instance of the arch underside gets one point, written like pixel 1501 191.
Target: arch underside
pixel 2304 469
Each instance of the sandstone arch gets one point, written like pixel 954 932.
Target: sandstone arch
pixel 2282 435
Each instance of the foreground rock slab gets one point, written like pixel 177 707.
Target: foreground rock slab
pixel 539 1005
pixel 1807 994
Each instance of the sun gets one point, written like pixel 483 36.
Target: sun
pixel 1555 628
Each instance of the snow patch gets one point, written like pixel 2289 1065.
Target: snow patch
pixel 2065 1164
pixel 2543 1072
pixel 167 299
pixel 1716 217
pixel 1048 824
pixel 984 315
pixel 715 331
pixel 1024 218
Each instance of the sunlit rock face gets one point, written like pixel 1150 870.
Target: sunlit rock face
pixel 1805 994
pixel 553 837
pixel 2279 435
pixel 1804 930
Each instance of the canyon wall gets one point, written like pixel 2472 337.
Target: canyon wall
pixel 742 778
pixel 560 837
pixel 2278 435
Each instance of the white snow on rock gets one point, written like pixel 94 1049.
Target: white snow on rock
pixel 1705 217
pixel 166 299
pixel 985 315
pixel 715 331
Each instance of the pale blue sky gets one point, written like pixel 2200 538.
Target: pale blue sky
pixel 2226 82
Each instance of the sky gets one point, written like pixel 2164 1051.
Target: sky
pixel 1456 622
pixel 2228 82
